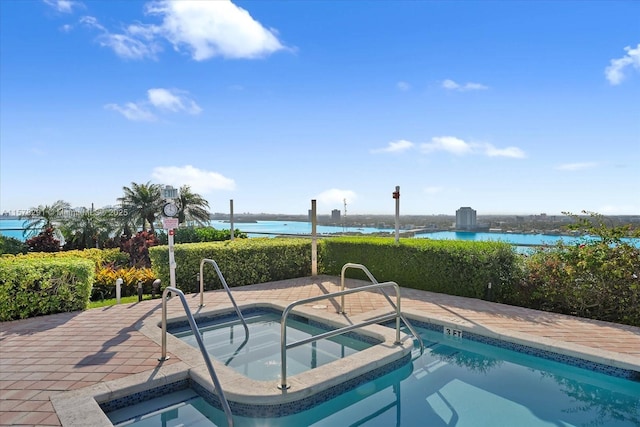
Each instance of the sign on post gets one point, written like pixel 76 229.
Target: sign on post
pixel 169 223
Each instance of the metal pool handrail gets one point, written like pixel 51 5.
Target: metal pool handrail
pixel 378 319
pixel 373 280
pixel 203 349
pixel 226 287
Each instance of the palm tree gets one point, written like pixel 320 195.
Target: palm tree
pixel 44 216
pixel 89 228
pixel 143 202
pixel 192 207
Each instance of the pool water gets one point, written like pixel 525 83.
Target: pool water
pixel 258 357
pixel 457 382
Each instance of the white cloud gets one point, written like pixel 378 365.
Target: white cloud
pixel 133 111
pixel 451 85
pixel 513 152
pixel 63 6
pixel 334 195
pixel 615 72
pixel 200 181
pixel 395 147
pixel 572 167
pixel 213 28
pixel 450 144
pixel 205 29
pixel 175 101
pixel 164 100
pixel 126 46
pixel 403 86
pixel 459 147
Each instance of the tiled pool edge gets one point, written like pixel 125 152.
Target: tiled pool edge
pixel 89 405
pixel 82 407
pixel 598 360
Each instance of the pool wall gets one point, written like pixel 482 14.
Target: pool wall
pixel 262 398
pixel 246 396
pixel 606 362
pixel 242 390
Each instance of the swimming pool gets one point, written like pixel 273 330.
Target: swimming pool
pixel 258 357
pixel 457 381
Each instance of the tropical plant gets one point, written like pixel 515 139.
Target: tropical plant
pixel 106 276
pixel 138 248
pixel 44 242
pixel 142 203
pixel 192 207
pixel 88 228
pixel 597 278
pixel 43 217
pixel 13 246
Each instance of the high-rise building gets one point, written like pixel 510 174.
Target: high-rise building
pixel 466 219
pixel 335 215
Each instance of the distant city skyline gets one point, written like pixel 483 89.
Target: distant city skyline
pixel 512 108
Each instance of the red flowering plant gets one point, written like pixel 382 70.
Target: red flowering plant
pixel 138 248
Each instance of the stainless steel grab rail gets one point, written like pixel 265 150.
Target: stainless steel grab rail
pixel 226 287
pixel 373 280
pixel 283 323
pixel 203 349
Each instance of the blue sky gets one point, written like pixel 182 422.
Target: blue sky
pixel 508 107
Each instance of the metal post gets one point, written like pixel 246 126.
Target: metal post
pixel 396 195
pixel 156 287
pixel 314 240
pixel 231 217
pixel 118 290
pixel 164 356
pixel 172 262
pixel 200 278
pixel 139 291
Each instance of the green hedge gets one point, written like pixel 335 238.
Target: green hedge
pixel 241 261
pixel 100 257
pixel 199 235
pixel 451 267
pixel 35 286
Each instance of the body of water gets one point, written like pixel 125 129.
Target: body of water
pixel 261 228
pixel 13 228
pixel 513 238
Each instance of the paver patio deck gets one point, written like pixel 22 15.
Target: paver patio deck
pixel 43 356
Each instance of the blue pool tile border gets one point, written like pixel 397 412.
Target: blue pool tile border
pixel 545 354
pixel 253 410
pixel 143 396
pixel 213 319
pixel 290 408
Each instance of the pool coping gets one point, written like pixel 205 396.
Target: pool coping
pixel 81 407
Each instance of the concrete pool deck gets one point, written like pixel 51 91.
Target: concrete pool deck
pixel 47 356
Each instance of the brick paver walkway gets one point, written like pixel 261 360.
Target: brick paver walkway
pixel 43 356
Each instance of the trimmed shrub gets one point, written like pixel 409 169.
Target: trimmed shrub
pixel 199 235
pixel 98 256
pixel 241 261
pixel 106 276
pixel 451 267
pixel 37 286
pixel 594 279
pixel 12 246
